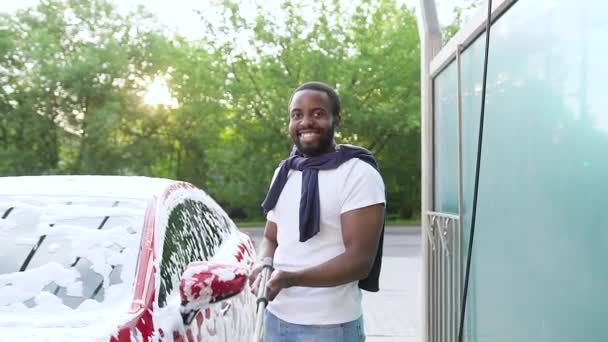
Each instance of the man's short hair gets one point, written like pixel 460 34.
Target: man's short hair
pixel 334 98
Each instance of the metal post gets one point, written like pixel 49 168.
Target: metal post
pixel 450 280
pixel 457 255
pixel 440 290
pixel 430 44
pixel 443 274
pixel 432 303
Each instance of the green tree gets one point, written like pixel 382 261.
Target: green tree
pixel 371 56
pixel 75 71
pixel 461 15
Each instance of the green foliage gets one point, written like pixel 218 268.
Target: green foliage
pixel 76 71
pixel 461 15
pixel 373 61
pixel 72 69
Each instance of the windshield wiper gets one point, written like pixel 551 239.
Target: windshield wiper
pixel 101 284
pixel 33 251
pixel 8 211
pixel 103 223
pixel 35 248
pixel 98 288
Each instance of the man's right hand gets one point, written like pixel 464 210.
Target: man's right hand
pixel 255 278
pixel 265 254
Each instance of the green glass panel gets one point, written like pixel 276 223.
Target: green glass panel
pixel 541 241
pixel 445 147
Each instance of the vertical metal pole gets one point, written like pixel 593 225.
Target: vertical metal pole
pixel 450 281
pixel 262 300
pixel 453 279
pixel 440 287
pixel 430 44
pixel 438 293
pixel 432 302
pixel 444 302
pixel 428 280
pixel 457 276
pixel 443 288
pixel 457 244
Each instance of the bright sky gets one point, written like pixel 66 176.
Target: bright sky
pixel 179 15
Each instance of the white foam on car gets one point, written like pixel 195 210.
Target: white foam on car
pixel 96 186
pixel 237 321
pixel 48 317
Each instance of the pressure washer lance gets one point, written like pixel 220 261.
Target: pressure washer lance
pixel 262 301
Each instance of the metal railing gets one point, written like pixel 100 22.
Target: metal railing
pixel 445 278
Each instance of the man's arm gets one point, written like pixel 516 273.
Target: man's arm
pixel 361 229
pixel 269 243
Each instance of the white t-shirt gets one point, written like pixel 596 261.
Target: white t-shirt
pixel 354 184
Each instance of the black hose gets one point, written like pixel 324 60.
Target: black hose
pixel 478 162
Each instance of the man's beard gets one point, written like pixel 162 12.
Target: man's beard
pixel 326 140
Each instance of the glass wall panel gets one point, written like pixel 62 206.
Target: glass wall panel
pixel 541 240
pixel 445 147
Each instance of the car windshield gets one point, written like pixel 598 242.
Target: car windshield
pixel 74 252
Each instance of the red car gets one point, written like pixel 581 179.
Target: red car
pixel 108 258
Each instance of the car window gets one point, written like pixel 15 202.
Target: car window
pixel 194 232
pixel 76 249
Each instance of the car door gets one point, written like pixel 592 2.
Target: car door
pixel 196 228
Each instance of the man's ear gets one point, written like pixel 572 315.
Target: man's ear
pixel 337 120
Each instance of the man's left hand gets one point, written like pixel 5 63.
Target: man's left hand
pixel 278 280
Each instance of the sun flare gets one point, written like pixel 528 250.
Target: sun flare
pixel 157 93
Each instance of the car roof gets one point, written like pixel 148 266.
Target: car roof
pixel 134 187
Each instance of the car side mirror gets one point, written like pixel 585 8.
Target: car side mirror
pixel 207 282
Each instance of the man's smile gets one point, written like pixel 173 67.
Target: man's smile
pixel 308 137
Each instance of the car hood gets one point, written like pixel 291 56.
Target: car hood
pixel 60 326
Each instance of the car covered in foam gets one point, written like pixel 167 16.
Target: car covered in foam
pixel 113 258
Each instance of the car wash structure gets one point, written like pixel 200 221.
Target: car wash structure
pixel 515 191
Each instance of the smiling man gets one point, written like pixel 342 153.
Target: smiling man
pixel 325 214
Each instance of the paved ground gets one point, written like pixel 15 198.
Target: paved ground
pixel 393 314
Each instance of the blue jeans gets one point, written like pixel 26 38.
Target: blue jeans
pixel 277 330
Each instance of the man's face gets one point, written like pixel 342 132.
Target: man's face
pixel 311 122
